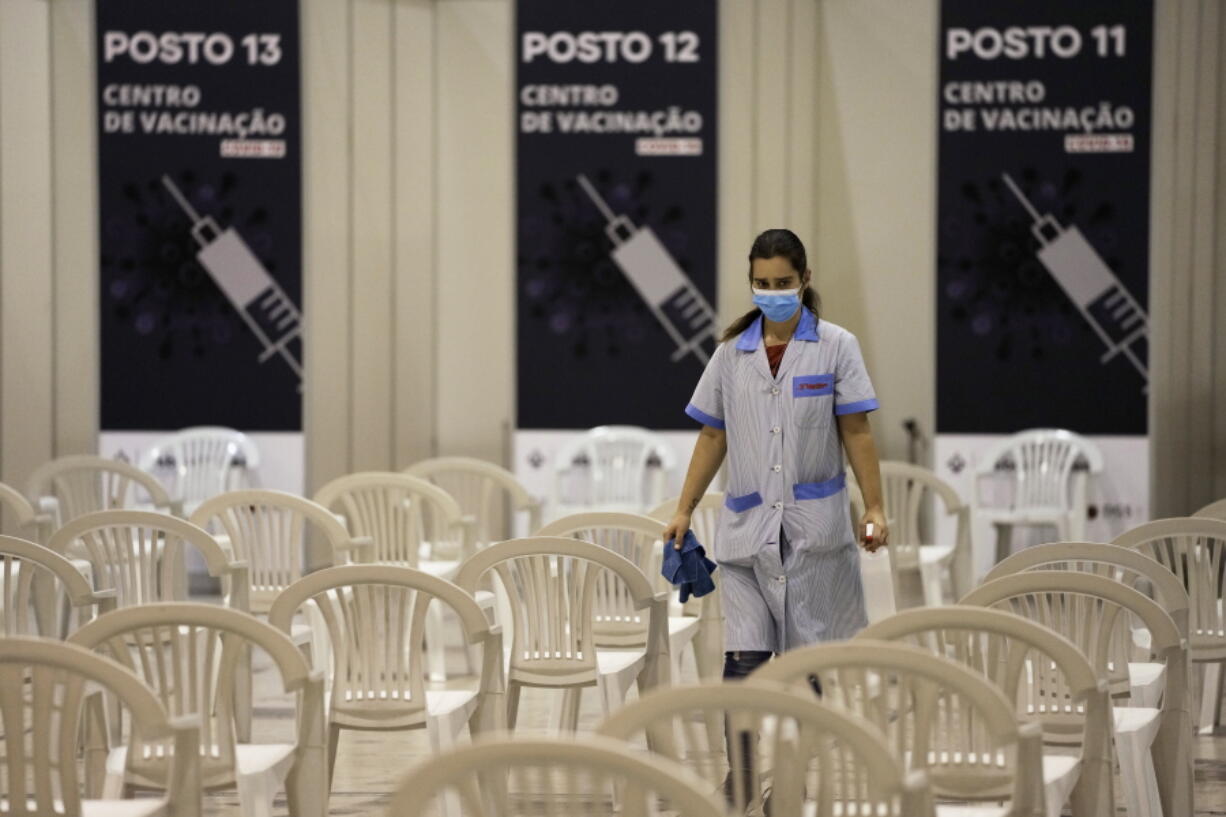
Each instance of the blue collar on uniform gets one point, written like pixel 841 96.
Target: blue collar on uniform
pixel 805 330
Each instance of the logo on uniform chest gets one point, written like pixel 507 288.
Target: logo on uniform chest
pixel 812 385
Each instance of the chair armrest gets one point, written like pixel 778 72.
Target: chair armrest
pixel 359 550
pixel 226 544
pixel 49 506
pixel 175 508
pixel 536 510
pixel 1029 793
pixel 96 743
pixel 239 574
pixel 917 794
pixel 468 535
pixel 185 787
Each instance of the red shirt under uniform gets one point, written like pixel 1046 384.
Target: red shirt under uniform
pixel 774 355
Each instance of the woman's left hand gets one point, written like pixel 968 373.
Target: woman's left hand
pixel 881 533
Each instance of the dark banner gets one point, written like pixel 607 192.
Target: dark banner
pixel 1043 215
pixel 200 214
pixel 616 196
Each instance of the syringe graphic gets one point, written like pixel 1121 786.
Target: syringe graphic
pixel 259 299
pixel 1106 305
pixel 672 297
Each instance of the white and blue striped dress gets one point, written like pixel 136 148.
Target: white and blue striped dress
pixel 787 555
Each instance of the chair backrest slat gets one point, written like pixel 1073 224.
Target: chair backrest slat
pixel 1042 462
pixel 609 467
pixel 1194 549
pixel 824 760
pixel 47 701
pixel 634 537
pixel 267 530
pixel 375 617
pixel 585 777
pixel 190 656
pixel 141 554
pixel 485 491
pixel 553 584
pixel 86 484
pixel 401 513
pixel 944 718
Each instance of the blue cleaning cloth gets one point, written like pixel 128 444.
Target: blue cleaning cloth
pixel 688 568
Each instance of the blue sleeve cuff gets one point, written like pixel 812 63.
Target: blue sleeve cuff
pixel 853 408
pixel 704 418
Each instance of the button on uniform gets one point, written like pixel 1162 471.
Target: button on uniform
pixel 776 430
pixel 777 468
pixel 775 390
pixel 778 506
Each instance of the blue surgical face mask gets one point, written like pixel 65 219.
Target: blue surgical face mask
pixel 777 305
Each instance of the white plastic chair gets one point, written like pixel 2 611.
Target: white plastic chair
pixel 49 688
pixel 69 487
pixel 618 624
pixel 31 578
pixel 1046 676
pixel 142 557
pixel 1194 549
pixel 940 717
pixel 202 461
pixel 905 488
pixel 23 515
pixel 1143 681
pixel 1048 488
pixel 709 642
pixel 611 468
pixel 513 777
pixel 1214 510
pixel 1095 613
pixel 190 655
pixel 413 523
pixel 552 583
pixel 492 498
pixel 485 491
pixel 822 761
pixel 374 615
pixel 268 530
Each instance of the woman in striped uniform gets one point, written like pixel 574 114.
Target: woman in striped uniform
pixel 785 395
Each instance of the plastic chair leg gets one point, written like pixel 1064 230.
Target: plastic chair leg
pixel 566 717
pixel 513 691
pixel 1138 780
pixel 1004 541
pixel 256 793
pixel 334 739
pixel 113 787
pixel 435 649
pixel 708 650
pixel 1211 693
pixel 243 686
pixel 930 574
pixel 444 734
pixel 612 695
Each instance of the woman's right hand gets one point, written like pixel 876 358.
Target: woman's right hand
pixel 676 529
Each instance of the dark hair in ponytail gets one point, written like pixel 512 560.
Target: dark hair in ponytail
pixel 776 244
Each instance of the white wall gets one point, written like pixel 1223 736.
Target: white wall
pixel 826 125
pixel 875 239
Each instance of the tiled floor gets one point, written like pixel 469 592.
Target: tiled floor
pixel 369 763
